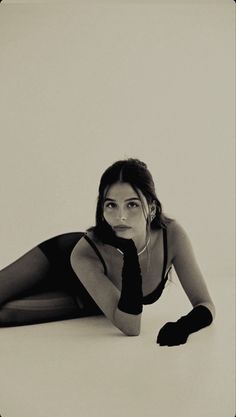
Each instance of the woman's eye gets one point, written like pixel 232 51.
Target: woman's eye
pixel 133 204
pixel 110 205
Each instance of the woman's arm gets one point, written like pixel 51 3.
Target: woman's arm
pixel 188 270
pixel 89 270
pixel 192 281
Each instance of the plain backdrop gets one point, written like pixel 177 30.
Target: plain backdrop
pixel 83 86
pixel 86 84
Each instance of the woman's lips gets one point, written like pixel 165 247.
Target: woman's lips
pixel 122 228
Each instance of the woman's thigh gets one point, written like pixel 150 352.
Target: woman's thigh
pixel 42 268
pixel 23 274
pixel 29 286
pixel 58 250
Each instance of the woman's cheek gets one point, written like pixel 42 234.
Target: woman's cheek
pixel 108 217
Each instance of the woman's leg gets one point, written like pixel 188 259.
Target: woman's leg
pixel 41 286
pixel 27 295
pixel 42 307
pixel 23 274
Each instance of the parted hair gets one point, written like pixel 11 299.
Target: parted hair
pixel 137 174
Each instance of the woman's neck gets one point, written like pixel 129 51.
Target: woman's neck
pixel 141 243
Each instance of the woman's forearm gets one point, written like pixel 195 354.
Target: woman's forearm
pixel 131 292
pixel 210 305
pixel 176 333
pixel 129 324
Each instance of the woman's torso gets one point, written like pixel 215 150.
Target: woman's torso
pixel 152 271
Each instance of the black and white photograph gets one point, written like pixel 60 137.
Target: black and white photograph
pixel 117 224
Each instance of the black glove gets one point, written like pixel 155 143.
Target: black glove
pixel 131 298
pixel 176 333
pixel 110 238
pixel 131 291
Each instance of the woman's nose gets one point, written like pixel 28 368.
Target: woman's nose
pixel 122 215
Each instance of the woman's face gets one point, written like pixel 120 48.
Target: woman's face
pixel 123 207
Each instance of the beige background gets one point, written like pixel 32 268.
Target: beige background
pixel 84 85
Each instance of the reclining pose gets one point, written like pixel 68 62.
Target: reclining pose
pixel 113 268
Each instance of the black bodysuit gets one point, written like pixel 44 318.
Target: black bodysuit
pixel 56 292
pixel 58 250
pixel 154 295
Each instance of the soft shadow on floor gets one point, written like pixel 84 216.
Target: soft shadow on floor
pixel 86 367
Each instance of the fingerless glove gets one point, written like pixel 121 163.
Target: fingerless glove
pixel 176 333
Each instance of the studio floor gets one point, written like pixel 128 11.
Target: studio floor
pixel 86 367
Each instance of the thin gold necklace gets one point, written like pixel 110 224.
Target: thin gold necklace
pixel 145 247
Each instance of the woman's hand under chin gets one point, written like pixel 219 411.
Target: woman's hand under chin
pixel 110 238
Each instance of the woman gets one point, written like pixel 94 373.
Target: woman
pixel 114 268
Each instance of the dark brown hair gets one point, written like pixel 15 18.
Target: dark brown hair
pixel 136 173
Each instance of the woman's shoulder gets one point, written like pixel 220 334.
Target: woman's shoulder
pixel 87 247
pixel 176 233
pixel 174 228
pixel 93 241
pixel 91 235
pixel 178 237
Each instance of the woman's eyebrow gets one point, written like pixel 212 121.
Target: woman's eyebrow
pixel 127 199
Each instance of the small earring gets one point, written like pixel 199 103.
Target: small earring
pixel 153 215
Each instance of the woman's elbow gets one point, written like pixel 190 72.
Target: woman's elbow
pixel 131 332
pixel 128 329
pixel 129 324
